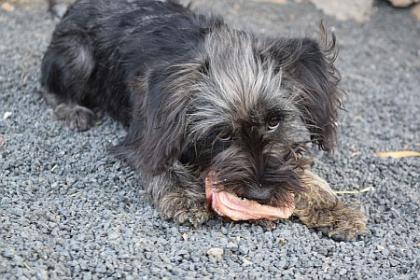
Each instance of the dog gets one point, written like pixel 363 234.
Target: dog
pixel 201 100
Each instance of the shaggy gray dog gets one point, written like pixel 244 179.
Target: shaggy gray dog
pixel 208 109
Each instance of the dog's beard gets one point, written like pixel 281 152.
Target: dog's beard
pixel 230 182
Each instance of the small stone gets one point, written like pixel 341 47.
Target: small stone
pixel 18 260
pixel 42 274
pixel 243 249
pixel 185 236
pixel 246 262
pixel 182 252
pixel 100 268
pixel 87 276
pixel 7 115
pixel 232 246
pixel 114 235
pixel 394 262
pixel 281 242
pixel 7 253
pixel 224 230
pixel 215 252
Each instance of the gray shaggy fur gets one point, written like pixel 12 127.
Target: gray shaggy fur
pixel 196 97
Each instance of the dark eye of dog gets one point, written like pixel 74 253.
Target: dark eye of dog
pixel 225 135
pixel 273 123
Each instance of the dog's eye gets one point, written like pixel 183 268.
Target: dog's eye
pixel 225 136
pixel 273 123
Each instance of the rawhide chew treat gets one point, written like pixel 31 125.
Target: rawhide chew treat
pixel 231 206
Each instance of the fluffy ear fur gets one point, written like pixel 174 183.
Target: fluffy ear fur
pixel 309 71
pixel 156 136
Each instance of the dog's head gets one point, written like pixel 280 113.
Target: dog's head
pixel 242 108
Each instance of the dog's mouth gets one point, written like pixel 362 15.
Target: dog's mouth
pixel 230 205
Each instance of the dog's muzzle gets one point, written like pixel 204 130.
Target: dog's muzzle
pixel 231 206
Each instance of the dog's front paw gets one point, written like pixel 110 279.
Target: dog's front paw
pixel 346 224
pixel 183 209
pixel 194 217
pixel 75 116
pixel 340 222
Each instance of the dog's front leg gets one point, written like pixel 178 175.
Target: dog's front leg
pixel 318 207
pixel 178 195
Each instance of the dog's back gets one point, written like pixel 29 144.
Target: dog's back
pixel 100 47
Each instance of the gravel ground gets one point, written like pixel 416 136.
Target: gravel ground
pixel 69 210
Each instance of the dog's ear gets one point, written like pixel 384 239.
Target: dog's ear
pixel 307 68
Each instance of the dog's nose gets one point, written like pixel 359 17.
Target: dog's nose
pixel 259 194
